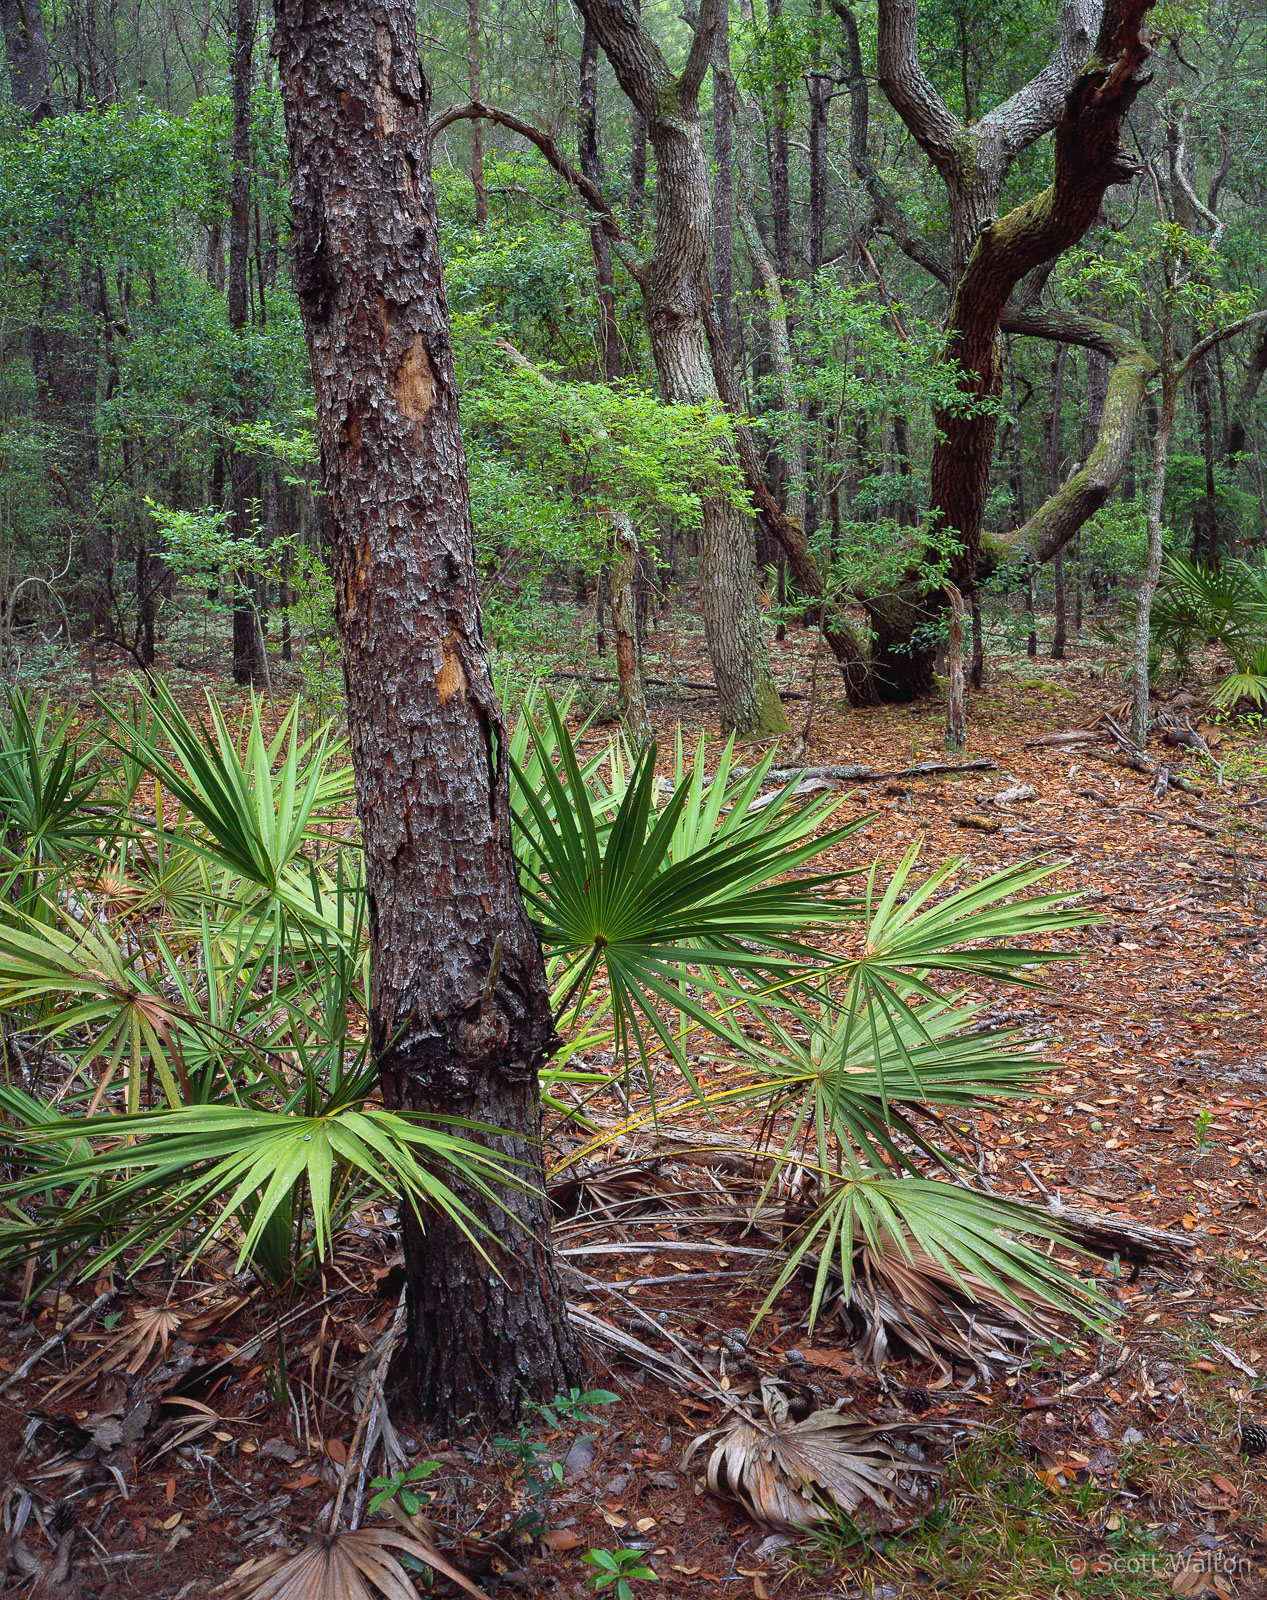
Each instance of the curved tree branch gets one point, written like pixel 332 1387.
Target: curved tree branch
pixel 1204 346
pixel 929 120
pixel 701 53
pixel 1060 516
pixel 1035 108
pixel 892 220
pixel 588 190
pixel 1089 159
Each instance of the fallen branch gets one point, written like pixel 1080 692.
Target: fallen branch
pixel 1136 1241
pixel 1074 736
pixel 1108 1368
pixel 1208 828
pixel 921 769
pixel 60 1337
pixel 703 685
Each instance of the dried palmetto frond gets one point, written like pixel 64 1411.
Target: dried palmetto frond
pixel 788 1474
pixel 147 1337
pixel 361 1565
pixel 910 1300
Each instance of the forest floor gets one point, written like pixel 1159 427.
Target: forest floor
pixel 223 1436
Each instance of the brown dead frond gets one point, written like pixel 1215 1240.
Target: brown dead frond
pixel 361 1565
pixel 146 1338
pixel 914 1303
pixel 788 1474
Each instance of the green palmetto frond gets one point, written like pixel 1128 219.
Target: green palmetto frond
pixel 48 778
pixel 202 1167
pixel 850 1094
pixel 977 1240
pixel 256 808
pixel 613 899
pixel 1196 604
pixel 74 979
pixel 1248 682
pixel 982 930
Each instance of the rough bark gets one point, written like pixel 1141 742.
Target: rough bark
pixel 637 200
pixel 591 166
pixel 723 191
pixel 461 1017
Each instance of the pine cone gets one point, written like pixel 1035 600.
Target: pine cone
pixel 1254 1439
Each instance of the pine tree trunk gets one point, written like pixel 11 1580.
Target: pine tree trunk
pixel 461 1020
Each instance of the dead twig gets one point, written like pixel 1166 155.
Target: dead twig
pixel 60 1337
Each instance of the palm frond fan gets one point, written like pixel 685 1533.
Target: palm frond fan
pixel 791 1474
pixel 360 1564
pixel 906 1302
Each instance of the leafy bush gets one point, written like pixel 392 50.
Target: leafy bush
pixel 1198 605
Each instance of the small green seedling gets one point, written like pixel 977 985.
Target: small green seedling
pixel 541 1473
pixel 397 1488
pixel 1204 1118
pixel 619 1567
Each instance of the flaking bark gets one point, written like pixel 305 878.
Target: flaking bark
pixel 461 1019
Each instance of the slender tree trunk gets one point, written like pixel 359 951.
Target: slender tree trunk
pixel 779 150
pixel 819 111
pixel 461 1020
pixel 1060 628
pixel 1152 570
pixel 678 309
pixel 956 715
pixel 637 202
pixel 1031 643
pixel 1206 533
pixel 1238 426
pixel 977 674
pixel 633 700
pixel 248 645
pixel 724 192
pixel 477 126
pixel 591 166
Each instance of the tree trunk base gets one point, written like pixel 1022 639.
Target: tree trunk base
pixel 482 1337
